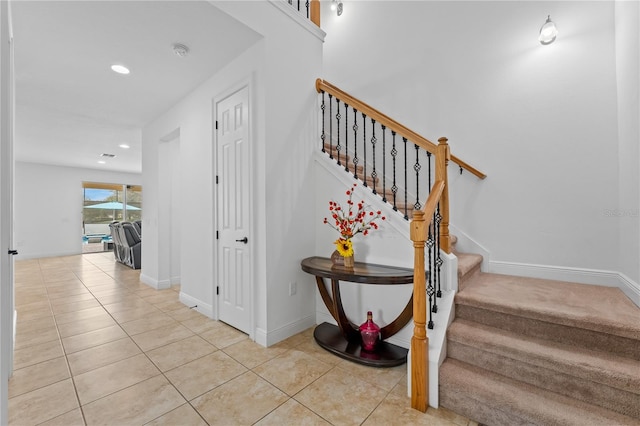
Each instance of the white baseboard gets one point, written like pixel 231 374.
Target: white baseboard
pixel 630 288
pixel 175 280
pixel 264 338
pixel 28 256
pixel 466 244
pixel 197 305
pixel 576 275
pixel 261 337
pixel 157 284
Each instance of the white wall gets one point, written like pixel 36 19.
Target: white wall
pixel 539 120
pixel 281 70
pixel 627 211
pixel 48 207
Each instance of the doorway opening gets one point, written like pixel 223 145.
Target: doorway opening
pixel 103 204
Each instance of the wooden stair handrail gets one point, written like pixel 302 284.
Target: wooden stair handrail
pixel 419 341
pixel 419 233
pixel 424 143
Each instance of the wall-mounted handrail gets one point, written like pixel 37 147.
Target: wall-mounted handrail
pixel 403 131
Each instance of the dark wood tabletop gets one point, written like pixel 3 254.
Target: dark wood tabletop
pixel 364 273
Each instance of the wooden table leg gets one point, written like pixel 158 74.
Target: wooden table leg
pixel 348 330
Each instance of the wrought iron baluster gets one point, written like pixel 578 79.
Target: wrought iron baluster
pixel 429 168
pixel 364 148
pixel 417 168
pixel 430 291
pixel 394 154
pixel 439 261
pixel 355 143
pixel 406 183
pixel 307 6
pixel 346 137
pixel 338 147
pixel 330 128
pixel 436 230
pixel 323 136
pixel 384 163
pixel 374 174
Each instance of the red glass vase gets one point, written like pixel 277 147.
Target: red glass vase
pixel 370 333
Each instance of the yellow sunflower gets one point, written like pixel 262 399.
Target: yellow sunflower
pixel 345 247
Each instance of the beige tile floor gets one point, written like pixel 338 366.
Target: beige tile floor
pixel 95 346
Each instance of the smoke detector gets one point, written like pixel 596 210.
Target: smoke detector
pixel 180 50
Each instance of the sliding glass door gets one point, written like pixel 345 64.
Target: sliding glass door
pixel 104 203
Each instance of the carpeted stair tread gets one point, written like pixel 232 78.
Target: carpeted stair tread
pixel 605 368
pixel 597 308
pixel 493 399
pixel 468 267
pixel 467 262
pixel 596 377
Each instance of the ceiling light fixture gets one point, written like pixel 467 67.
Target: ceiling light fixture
pixel 102 162
pixel 548 32
pixel 337 7
pixel 180 50
pixel 120 69
pixel 124 146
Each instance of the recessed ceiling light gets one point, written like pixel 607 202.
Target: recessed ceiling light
pixel 124 146
pixel 120 69
pixel 102 162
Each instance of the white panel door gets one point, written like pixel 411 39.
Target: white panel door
pixel 233 211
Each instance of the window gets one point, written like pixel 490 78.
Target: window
pixel 104 203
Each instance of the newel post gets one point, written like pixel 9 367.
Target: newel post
pixel 315 12
pixel 443 155
pixel 419 341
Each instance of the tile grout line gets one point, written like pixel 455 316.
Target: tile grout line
pixel 162 373
pixel 124 286
pixel 132 340
pixel 75 389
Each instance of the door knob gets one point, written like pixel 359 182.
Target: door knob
pixel 244 240
pixel 13 252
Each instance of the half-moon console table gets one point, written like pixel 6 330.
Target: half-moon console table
pixel 344 340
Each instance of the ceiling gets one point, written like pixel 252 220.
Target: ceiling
pixel 71 107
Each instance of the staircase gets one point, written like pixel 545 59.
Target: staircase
pixel 386 193
pixel 526 351
pixel 521 351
